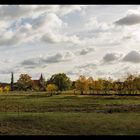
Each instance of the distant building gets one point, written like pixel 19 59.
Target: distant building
pixel 40 83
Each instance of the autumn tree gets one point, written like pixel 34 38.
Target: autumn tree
pixel 24 82
pixel 90 82
pixel 136 82
pixel 132 83
pixel 120 87
pixel 61 80
pixel 81 84
pixel 107 85
pixel 129 83
pixel 115 86
pixel 51 88
pixel 98 85
pixel 1 90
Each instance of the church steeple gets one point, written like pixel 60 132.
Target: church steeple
pixel 41 77
pixel 42 83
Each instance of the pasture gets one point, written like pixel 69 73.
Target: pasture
pixel 40 114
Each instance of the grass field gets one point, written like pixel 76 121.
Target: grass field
pixel 40 114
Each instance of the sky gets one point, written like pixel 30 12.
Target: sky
pixel 93 40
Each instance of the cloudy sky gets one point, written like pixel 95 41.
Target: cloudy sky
pixel 91 40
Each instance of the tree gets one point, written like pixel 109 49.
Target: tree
pixel 61 80
pixel 115 86
pixel 81 84
pixel 98 85
pixel 119 87
pixel 129 83
pixel 90 84
pixel 12 81
pixel 107 85
pixel 136 82
pixel 51 88
pixel 73 87
pixel 36 88
pixel 24 82
pixel 1 90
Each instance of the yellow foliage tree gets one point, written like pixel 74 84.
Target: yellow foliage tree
pixel 51 88
pixel 7 89
pixel 90 84
pixel 81 84
pixel 98 85
pixel 1 90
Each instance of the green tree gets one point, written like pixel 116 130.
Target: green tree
pixel 36 88
pixel 24 82
pixel 120 87
pixel 61 80
pixel 12 81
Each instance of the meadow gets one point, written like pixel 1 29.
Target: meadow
pixel 28 113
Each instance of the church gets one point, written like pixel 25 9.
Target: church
pixel 40 83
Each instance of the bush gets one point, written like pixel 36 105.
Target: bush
pixel 1 90
pixel 7 88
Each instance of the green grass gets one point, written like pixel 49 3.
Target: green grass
pixel 67 103
pixel 60 123
pixel 40 114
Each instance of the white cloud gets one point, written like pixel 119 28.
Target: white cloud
pixel 46 21
pixel 66 9
pixel 109 57
pixel 51 37
pixel 93 24
pixel 23 33
pixel 133 57
pixel 29 23
pixel 86 51
pixel 11 12
pixel 66 36
pixel 130 19
pixel 42 60
pixel 10 38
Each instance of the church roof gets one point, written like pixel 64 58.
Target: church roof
pixel 36 82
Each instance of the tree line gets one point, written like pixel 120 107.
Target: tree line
pixel 84 85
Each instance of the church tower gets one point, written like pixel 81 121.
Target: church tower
pixel 41 77
pixel 42 83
